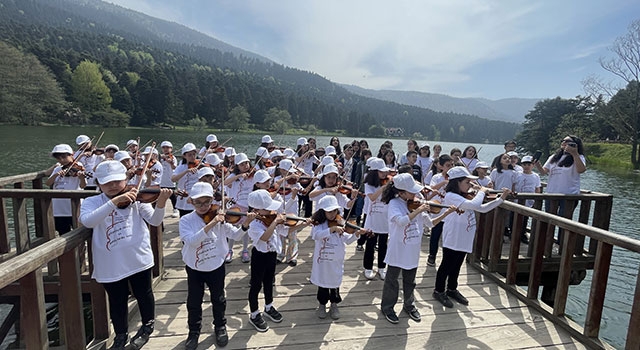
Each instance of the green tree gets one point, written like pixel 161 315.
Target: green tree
pixel 376 130
pixel 28 91
pixel 238 119
pixel 273 116
pixel 89 90
pixel 541 123
pixel 625 109
pixel 198 123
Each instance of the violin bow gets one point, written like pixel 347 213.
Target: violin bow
pixel 145 167
pixel 76 158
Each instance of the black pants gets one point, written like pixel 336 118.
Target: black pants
pixel 263 270
pixel 370 247
pixel 363 238
pixel 434 240
pixel 63 224
pixel 195 282
pixel 449 269
pixel 118 293
pixel 308 205
pixel 326 295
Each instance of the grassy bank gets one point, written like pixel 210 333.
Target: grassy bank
pixel 610 155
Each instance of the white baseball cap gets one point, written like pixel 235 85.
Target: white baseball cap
pixel 329 169
pixel 188 147
pixel 212 138
pixel 148 150
pixel 512 153
pixel 204 171
pixel 82 139
pixel 459 171
pixel 289 153
pixel 166 144
pixel 241 158
pixel 62 148
pixel 261 176
pixel 201 189
pixel 526 159
pixel 327 160
pixel 328 203
pixel 482 165
pixel 261 199
pixel 266 139
pixel 263 152
pixel 112 146
pixel 330 150
pixel 121 155
pixel 378 164
pixel 277 153
pixel 371 159
pixel 406 182
pixel 132 142
pixel 424 144
pixel 301 141
pixel 230 151
pixel 110 170
pixel 212 159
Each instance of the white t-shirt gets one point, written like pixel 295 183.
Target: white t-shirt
pixel 156 174
pixel 376 212
pixel 459 230
pixel 240 189
pixel 470 163
pixel 62 206
pixel 185 183
pixel 121 245
pixel 205 251
pixel 167 171
pixel 527 183
pixel 485 181
pixel 290 201
pixel 405 236
pixel 425 165
pixel 436 179
pixel 328 256
pixel 273 244
pixel 90 164
pixel 342 199
pixel 564 180
pixel 506 179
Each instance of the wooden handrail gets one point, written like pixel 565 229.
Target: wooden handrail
pixel 43 193
pixel 10 180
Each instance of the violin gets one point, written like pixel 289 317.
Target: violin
pixel 195 164
pixel 72 169
pixel 386 180
pixel 282 190
pixel 98 151
pixel 220 170
pixel 348 227
pixel 231 216
pixel 345 189
pixel 435 207
pixel 218 149
pixel 138 171
pixel 167 157
pixel 304 180
pixel 148 195
pixel 427 189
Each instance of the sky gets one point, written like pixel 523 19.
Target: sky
pixel 464 48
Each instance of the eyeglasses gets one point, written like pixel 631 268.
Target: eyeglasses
pixel 567 140
pixel 202 204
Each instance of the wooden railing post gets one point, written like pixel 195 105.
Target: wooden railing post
pixel 598 289
pixel 32 311
pixel 497 232
pixel 70 300
pixel 20 225
pixel 564 275
pixel 633 337
pixel 5 245
pixel 535 272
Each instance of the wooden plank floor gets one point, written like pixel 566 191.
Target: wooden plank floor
pixel 493 320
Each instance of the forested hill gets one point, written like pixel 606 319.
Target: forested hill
pixel 150 80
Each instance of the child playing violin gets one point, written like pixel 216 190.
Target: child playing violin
pixel 122 255
pixel 459 231
pixel 328 255
pixel 204 236
pixel 265 234
pixel 185 175
pixel 376 219
pixel 438 183
pixel 66 176
pixel 405 239
pixel 169 164
pixel 287 179
pixel 240 184
pixel 328 186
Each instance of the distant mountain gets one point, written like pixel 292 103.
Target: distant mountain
pixel 509 109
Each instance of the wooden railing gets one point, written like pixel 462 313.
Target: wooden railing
pixel 574 244
pixel 22 264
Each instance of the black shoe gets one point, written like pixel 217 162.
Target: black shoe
pixel 192 340
pixel 507 232
pixel 120 341
pixel 293 262
pixel 392 317
pixel 142 337
pixel 455 295
pixel 414 314
pixel 442 298
pixel 524 239
pixel 222 338
pixel 431 261
pixel 259 323
pixel 274 315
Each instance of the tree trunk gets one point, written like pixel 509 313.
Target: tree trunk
pixel 634 154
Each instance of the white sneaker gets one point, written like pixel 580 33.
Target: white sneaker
pixel 369 274
pixel 176 213
pixel 382 273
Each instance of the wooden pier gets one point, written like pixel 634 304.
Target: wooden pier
pixel 36 265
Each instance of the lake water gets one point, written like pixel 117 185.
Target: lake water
pixel 26 149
